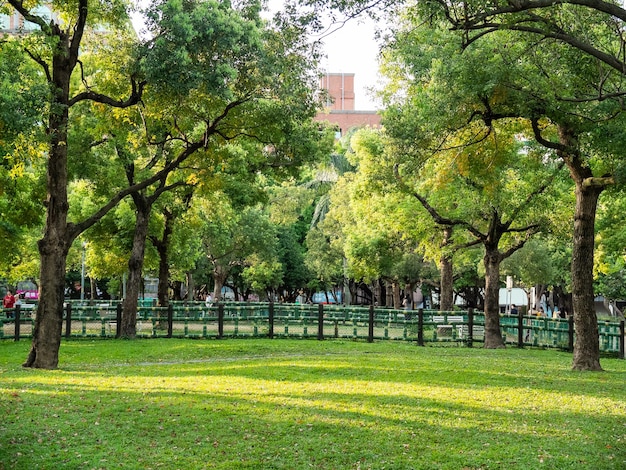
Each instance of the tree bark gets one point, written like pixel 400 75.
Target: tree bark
pixel 395 291
pixel 446 284
pixel 446 294
pixel 191 287
pixel 540 289
pixel 588 190
pixel 587 345
pixel 135 267
pixel 162 246
pixel 219 278
pixel 57 236
pixel 493 335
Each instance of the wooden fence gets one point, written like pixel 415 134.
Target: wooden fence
pixel 273 320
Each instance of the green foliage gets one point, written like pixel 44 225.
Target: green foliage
pixel 23 96
pixel 610 269
pixel 291 255
pixel 324 259
pixel 541 261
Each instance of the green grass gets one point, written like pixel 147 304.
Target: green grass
pixel 289 404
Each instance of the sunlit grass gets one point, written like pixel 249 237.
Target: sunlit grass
pixel 289 404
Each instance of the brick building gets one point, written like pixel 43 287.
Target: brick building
pixel 14 22
pixel 340 107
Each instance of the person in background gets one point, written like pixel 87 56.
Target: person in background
pixel 8 302
pixel 514 310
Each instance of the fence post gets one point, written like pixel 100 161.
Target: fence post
pixel 170 320
pixel 220 320
pixel 370 331
pixel 68 319
pixel 420 327
pixel 271 320
pixel 520 329
pixel 118 320
pixel 621 340
pixel 320 322
pixel 571 334
pixel 16 317
pixel 470 328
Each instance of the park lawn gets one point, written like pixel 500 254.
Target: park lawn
pixel 306 404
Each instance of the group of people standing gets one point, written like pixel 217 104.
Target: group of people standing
pixel 555 313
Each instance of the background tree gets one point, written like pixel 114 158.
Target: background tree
pixel 231 234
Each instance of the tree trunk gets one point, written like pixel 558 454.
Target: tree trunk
pixel 394 295
pixel 135 269
pixel 446 294
pixel 377 291
pixel 540 289
pixel 191 288
pixel 44 352
pixel 587 344
pixel 164 279
pixel 493 335
pixel 219 278
pixel 164 265
pixel 57 236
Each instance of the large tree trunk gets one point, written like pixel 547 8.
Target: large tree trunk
pixel 135 269
pixel 58 236
pixel 493 335
pixel 588 190
pixel 44 352
pixel 587 344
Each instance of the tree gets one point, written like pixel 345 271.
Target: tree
pixel 230 235
pixel 556 92
pixel 481 204
pixel 200 94
pixel 57 54
pixel 548 20
pixel 366 222
pixel 171 211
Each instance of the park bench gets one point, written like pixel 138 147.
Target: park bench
pixel 478 332
pixel 445 324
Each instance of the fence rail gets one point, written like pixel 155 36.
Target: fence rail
pixel 235 319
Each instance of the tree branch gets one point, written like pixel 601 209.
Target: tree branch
pixel 134 98
pixel 438 218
